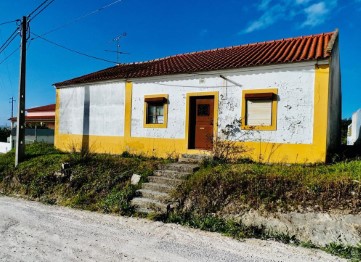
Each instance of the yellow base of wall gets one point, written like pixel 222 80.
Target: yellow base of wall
pixel 96 144
pixel 164 148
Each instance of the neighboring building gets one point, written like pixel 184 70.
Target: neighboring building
pixel 354 129
pixel 39 123
pixel 287 93
pixel 42 116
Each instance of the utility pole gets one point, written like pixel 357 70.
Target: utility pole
pixel 12 100
pixel 20 128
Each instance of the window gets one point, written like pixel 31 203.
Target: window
pixel 259 109
pixel 155 114
pixel 155 111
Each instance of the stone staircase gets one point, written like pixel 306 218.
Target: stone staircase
pixel 154 196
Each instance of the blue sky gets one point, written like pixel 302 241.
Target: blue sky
pixel 161 28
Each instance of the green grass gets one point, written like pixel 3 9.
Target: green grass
pixel 234 188
pixel 97 182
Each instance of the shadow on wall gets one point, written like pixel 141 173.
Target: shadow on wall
pixel 86 117
pixel 358 140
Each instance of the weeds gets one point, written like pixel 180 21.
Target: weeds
pixel 96 182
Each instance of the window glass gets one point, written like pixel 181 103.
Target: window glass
pixel 203 110
pixel 155 113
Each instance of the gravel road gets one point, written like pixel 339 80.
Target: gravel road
pixel 30 231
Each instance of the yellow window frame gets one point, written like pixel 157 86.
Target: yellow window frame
pixel 165 112
pixel 271 127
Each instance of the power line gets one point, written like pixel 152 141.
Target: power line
pixel 9 22
pixel 80 18
pixel 6 58
pixel 72 50
pixel 9 40
pixel 43 5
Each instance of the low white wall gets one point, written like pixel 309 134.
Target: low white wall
pixel 5 147
pixel 355 128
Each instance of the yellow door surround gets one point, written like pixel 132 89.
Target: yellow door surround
pixel 215 94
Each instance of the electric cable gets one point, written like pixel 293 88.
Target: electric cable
pixel 9 40
pixel 72 50
pixel 80 18
pixel 9 22
pixel 31 17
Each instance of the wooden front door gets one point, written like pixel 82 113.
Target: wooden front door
pixel 203 111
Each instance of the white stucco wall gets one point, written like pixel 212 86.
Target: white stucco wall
pixel 355 128
pixel 5 147
pixel 96 109
pixel 45 113
pixel 295 84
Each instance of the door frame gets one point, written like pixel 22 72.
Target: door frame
pixel 215 117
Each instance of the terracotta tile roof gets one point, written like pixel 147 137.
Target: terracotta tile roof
pixel 305 48
pixel 35 119
pixel 50 107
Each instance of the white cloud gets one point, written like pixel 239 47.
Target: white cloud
pixel 312 12
pixel 317 13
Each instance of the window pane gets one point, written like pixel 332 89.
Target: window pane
pixel 203 110
pixel 155 113
pixel 259 113
pixel 151 120
pixel 160 110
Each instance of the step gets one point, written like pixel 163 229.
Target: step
pixel 188 158
pixel 155 195
pixel 181 167
pixel 144 210
pixel 172 174
pixel 146 203
pixel 165 180
pixel 157 187
pixel 202 156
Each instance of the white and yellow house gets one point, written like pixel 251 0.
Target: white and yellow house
pixel 287 94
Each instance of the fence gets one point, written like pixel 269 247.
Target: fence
pixel 36 135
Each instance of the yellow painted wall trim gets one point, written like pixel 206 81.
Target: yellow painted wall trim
pixel 215 94
pixel 165 112
pixel 321 95
pixel 273 126
pixel 128 109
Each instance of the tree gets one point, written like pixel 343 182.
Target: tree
pixel 344 128
pixel 4 133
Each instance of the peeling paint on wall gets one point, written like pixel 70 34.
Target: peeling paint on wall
pixel 295 106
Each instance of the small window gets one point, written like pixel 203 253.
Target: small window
pixel 259 109
pixel 155 111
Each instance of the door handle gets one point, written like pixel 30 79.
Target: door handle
pixel 201 128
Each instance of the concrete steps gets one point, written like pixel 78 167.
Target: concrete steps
pixel 154 196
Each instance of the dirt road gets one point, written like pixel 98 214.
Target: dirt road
pixel 31 231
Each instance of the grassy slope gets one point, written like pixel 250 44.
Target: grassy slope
pixel 97 182
pixel 225 189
